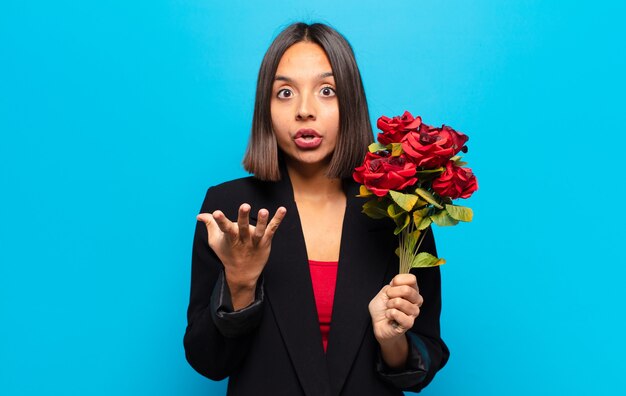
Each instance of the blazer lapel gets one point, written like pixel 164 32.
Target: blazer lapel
pixel 363 265
pixel 289 292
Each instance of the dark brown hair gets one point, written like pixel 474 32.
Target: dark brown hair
pixel 355 130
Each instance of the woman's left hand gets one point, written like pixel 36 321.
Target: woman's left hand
pixel 395 307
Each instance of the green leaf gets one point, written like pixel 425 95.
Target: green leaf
pixel 460 213
pixel 364 192
pixel 426 171
pixel 402 222
pixel 374 147
pixel 423 212
pixel 424 259
pixel 457 161
pixel 428 175
pixel 443 219
pixel 396 149
pixel 421 204
pixel 421 218
pixel 399 216
pixel 375 209
pixel 424 223
pixel 393 210
pixel 405 201
pixel 428 197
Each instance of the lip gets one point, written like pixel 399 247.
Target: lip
pixel 306 132
pixel 307 139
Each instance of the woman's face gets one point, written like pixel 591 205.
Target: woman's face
pixel 304 106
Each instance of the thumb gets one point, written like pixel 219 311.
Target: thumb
pixel 207 219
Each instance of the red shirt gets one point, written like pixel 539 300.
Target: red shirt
pixel 324 278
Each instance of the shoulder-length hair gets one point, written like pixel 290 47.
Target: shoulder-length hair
pixel 355 131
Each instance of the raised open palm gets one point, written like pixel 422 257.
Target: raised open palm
pixel 242 248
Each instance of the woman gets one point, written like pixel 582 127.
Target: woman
pixel 308 302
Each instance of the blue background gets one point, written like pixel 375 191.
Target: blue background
pixel 116 116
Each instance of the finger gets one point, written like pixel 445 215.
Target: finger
pixel 225 225
pixel 243 222
pixel 404 291
pixel 274 223
pixel 404 306
pixel 207 219
pixel 404 321
pixel 261 225
pixel 404 279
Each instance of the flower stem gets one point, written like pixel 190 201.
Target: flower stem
pixel 409 246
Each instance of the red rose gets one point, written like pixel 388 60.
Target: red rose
pixel 394 129
pixel 381 173
pixel 455 182
pixel 432 147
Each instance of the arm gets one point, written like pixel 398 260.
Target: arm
pixel 225 255
pixel 207 350
pixel 411 354
pixel 427 353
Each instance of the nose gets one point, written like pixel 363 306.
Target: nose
pixel 306 108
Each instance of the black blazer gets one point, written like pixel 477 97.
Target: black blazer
pixel 274 347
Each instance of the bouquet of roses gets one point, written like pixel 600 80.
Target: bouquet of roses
pixel 412 175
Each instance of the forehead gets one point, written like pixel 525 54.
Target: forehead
pixel 302 57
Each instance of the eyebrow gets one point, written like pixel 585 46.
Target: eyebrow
pixel 289 80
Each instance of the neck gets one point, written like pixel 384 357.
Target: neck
pixel 312 183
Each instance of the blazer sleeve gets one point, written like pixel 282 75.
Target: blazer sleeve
pixel 427 351
pixel 216 339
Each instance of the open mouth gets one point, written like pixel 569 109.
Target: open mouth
pixel 307 139
pixel 307 134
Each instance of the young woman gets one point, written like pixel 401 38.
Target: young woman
pixel 294 291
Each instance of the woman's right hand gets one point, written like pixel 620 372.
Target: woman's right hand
pixel 242 248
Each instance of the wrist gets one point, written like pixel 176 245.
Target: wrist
pixel 242 290
pixel 395 351
pixel 240 282
pixel 393 342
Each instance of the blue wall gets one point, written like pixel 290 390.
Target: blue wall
pixel 115 117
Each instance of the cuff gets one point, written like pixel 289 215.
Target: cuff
pixel 235 323
pixel 415 370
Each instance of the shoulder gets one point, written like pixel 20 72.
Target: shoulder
pixel 237 186
pixel 228 196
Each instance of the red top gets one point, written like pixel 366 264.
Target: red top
pixel 324 277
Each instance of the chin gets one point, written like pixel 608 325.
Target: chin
pixel 311 159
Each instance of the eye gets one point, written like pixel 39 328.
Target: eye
pixel 328 91
pixel 284 93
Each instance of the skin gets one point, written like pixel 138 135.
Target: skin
pixel 303 96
